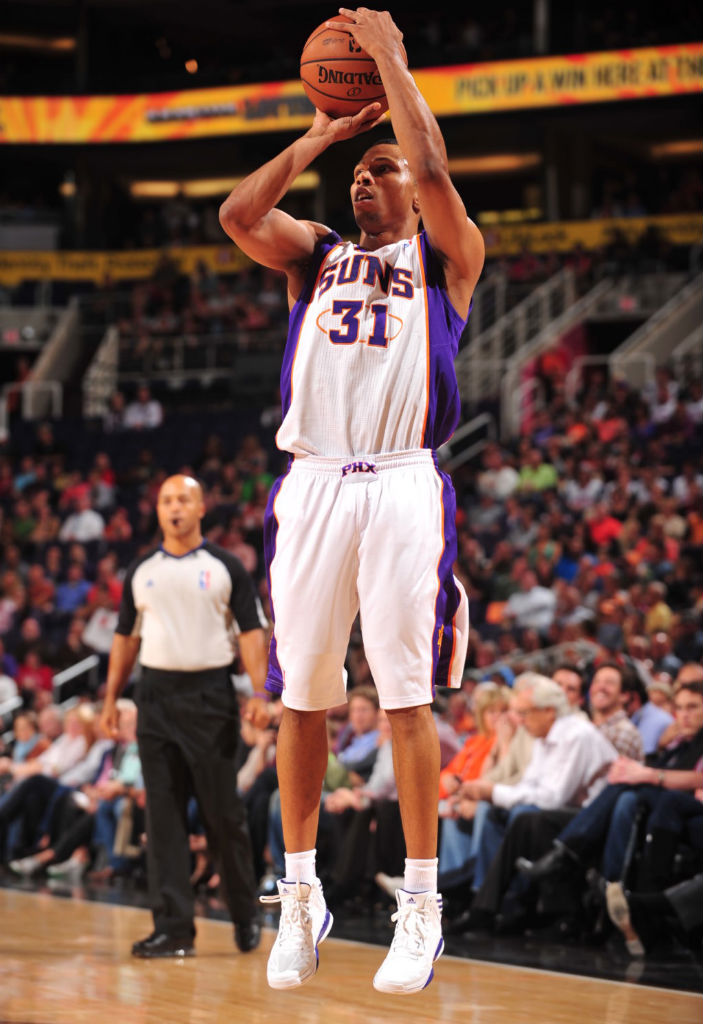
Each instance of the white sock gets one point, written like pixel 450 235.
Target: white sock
pixel 420 875
pixel 300 867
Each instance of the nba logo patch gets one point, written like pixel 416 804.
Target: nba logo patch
pixel 204 579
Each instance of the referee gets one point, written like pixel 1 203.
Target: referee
pixel 183 602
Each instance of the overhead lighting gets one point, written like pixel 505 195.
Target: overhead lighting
pixel 680 147
pixel 494 163
pixel 201 188
pixel 39 44
pixel 191 66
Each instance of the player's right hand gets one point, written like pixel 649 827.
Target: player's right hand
pixel 341 128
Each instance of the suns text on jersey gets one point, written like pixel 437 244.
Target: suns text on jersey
pixel 371 271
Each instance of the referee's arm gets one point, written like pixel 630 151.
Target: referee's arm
pixel 123 654
pixel 254 654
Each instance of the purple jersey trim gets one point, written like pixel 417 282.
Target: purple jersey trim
pixel 274 679
pixel 448 597
pixel 298 313
pixel 445 327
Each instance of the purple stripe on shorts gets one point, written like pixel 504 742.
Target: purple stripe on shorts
pixel 448 597
pixel 274 678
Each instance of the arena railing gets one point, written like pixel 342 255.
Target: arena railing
pixel 7 714
pixel 617 371
pixel 455 452
pixel 482 364
pixel 80 679
pixel 670 325
pixel 689 352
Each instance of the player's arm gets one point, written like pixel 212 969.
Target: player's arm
pixel 454 237
pixel 250 215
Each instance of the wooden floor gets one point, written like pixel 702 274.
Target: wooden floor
pixel 67 962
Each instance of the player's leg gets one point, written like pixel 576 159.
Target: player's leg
pixel 300 778
pixel 311 553
pixel 407 607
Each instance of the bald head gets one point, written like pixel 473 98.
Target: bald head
pixel 180 507
pixel 180 482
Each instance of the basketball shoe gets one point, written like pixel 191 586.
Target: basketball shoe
pixel 305 921
pixel 416 945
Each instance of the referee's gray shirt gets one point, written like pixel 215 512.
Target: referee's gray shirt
pixel 188 608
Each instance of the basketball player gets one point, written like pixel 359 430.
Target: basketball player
pixel 363 519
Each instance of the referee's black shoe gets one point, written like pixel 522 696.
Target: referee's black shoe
pixel 160 944
pixel 247 935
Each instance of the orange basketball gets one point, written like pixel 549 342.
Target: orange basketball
pixel 338 76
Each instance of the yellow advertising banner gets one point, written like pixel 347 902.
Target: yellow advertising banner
pixel 283 106
pixel 503 240
pixel 99 267
pixel 563 236
pixel 564 81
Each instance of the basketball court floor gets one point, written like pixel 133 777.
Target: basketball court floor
pixel 64 959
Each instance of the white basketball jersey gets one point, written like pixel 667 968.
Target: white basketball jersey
pixel 369 361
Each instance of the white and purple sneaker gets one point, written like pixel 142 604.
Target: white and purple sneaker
pixel 416 945
pixel 305 921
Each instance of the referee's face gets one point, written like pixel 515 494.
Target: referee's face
pixel 180 509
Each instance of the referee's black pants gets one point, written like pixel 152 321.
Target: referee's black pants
pixel 188 731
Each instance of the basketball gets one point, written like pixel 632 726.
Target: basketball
pixel 338 76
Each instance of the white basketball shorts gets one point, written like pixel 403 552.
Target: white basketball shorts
pixel 372 535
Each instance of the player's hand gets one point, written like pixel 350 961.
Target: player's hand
pixel 341 128
pixel 374 31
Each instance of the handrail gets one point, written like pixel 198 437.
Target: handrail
pixel 656 320
pixel 67 674
pixel 692 343
pixel 572 315
pixel 86 666
pixel 28 389
pixel 11 704
pixel 444 452
pixel 572 376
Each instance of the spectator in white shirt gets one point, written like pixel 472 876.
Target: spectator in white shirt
pixel 144 413
pixel 567 768
pixel 66 750
pixel 498 480
pixel 83 525
pixel 584 490
pixel 533 606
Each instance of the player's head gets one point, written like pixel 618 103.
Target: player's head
pixel 180 507
pixel 383 191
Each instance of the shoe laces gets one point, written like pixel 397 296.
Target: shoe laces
pixel 295 915
pixel 411 931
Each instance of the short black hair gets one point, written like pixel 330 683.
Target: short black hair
pixel 388 140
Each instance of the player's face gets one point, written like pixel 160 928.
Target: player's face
pixel 383 189
pixel 180 507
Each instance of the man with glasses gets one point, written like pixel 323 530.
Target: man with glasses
pixel 567 768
